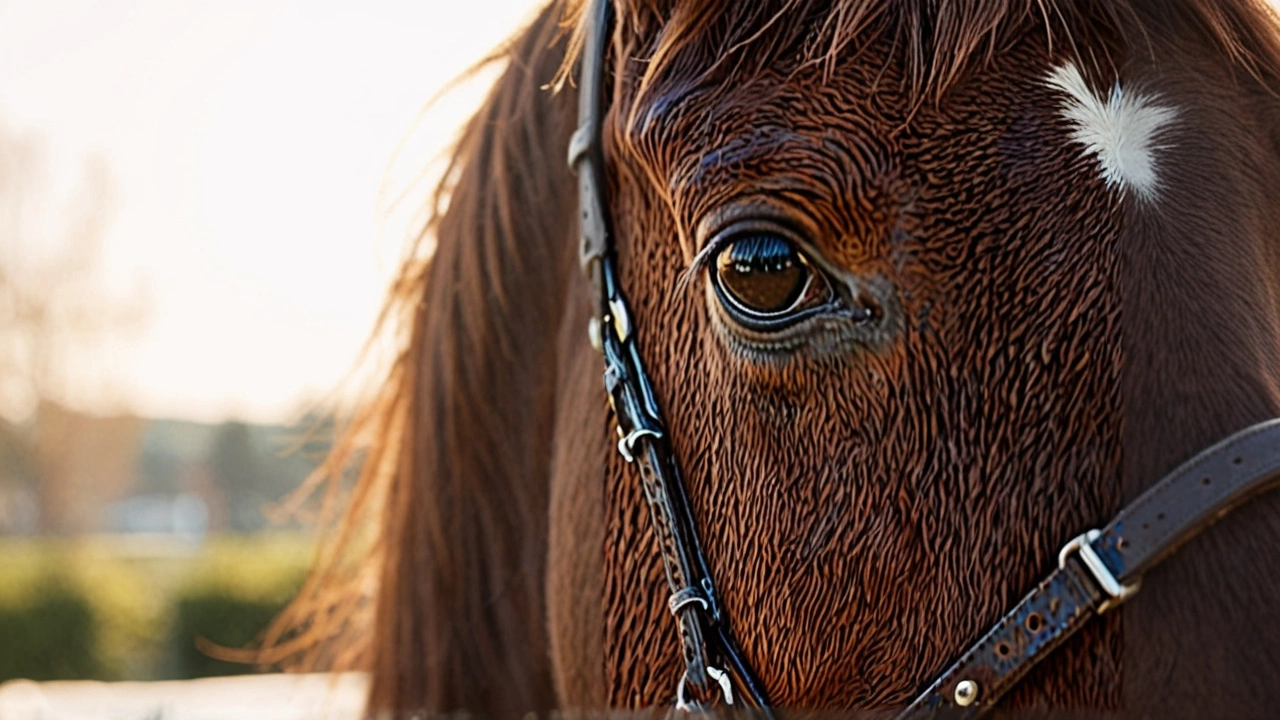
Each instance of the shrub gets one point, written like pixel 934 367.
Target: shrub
pixel 50 635
pixel 205 621
pixel 111 611
pixel 229 600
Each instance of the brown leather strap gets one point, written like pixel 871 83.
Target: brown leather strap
pixel 586 156
pixel 1190 499
pixel 1099 570
pixel 1053 612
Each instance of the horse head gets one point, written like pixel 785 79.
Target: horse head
pixel 923 289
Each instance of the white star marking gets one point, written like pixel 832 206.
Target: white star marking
pixel 1121 130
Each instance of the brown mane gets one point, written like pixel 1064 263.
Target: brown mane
pixel 432 568
pixel 425 463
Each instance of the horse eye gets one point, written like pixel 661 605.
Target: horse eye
pixel 762 273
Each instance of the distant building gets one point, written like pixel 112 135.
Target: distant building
pixel 82 463
pixel 71 473
pixel 19 508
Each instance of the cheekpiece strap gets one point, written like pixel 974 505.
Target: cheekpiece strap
pixel 712 660
pixel 586 156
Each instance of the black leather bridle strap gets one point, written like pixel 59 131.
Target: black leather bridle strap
pixel 1101 569
pixel 714 664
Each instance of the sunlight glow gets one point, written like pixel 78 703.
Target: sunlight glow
pixel 246 144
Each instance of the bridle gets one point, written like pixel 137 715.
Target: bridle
pixel 1096 571
pixel 712 659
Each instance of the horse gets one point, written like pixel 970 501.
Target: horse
pixel 924 289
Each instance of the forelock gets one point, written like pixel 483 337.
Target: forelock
pixel 935 42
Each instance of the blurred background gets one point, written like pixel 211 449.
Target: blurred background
pixel 201 202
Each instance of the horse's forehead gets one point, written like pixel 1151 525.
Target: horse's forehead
pixel 685 125
pixel 797 129
pixel 744 121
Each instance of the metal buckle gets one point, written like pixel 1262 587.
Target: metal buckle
pixel 1082 546
pixel 627 443
pixel 720 676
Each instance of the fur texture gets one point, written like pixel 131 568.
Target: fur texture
pixel 1056 346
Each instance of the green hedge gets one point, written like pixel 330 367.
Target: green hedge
pixel 50 635
pixel 229 602
pixel 218 618
pixel 86 610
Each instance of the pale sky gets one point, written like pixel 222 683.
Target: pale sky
pixel 247 143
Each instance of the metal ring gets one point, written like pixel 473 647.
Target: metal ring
pixel 627 443
pixel 722 679
pixel 579 145
pixel 687 596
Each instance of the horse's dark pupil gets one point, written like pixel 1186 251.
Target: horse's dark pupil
pixel 762 272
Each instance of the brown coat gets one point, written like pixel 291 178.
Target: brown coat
pixel 1055 341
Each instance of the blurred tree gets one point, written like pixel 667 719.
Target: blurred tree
pixel 53 307
pixel 54 310
pixel 17 479
pixel 237 470
pixel 158 470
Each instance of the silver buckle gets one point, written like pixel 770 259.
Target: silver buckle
pixel 1081 545
pixel 720 676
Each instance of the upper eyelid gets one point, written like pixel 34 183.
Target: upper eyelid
pixel 722 237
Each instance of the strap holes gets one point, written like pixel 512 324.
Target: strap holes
pixel 1146 526
pixel 1003 650
pixel 1159 517
pixel 1034 622
pixel 1122 544
pixel 1206 481
pixel 1237 461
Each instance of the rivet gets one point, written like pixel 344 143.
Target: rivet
pixel 966 693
